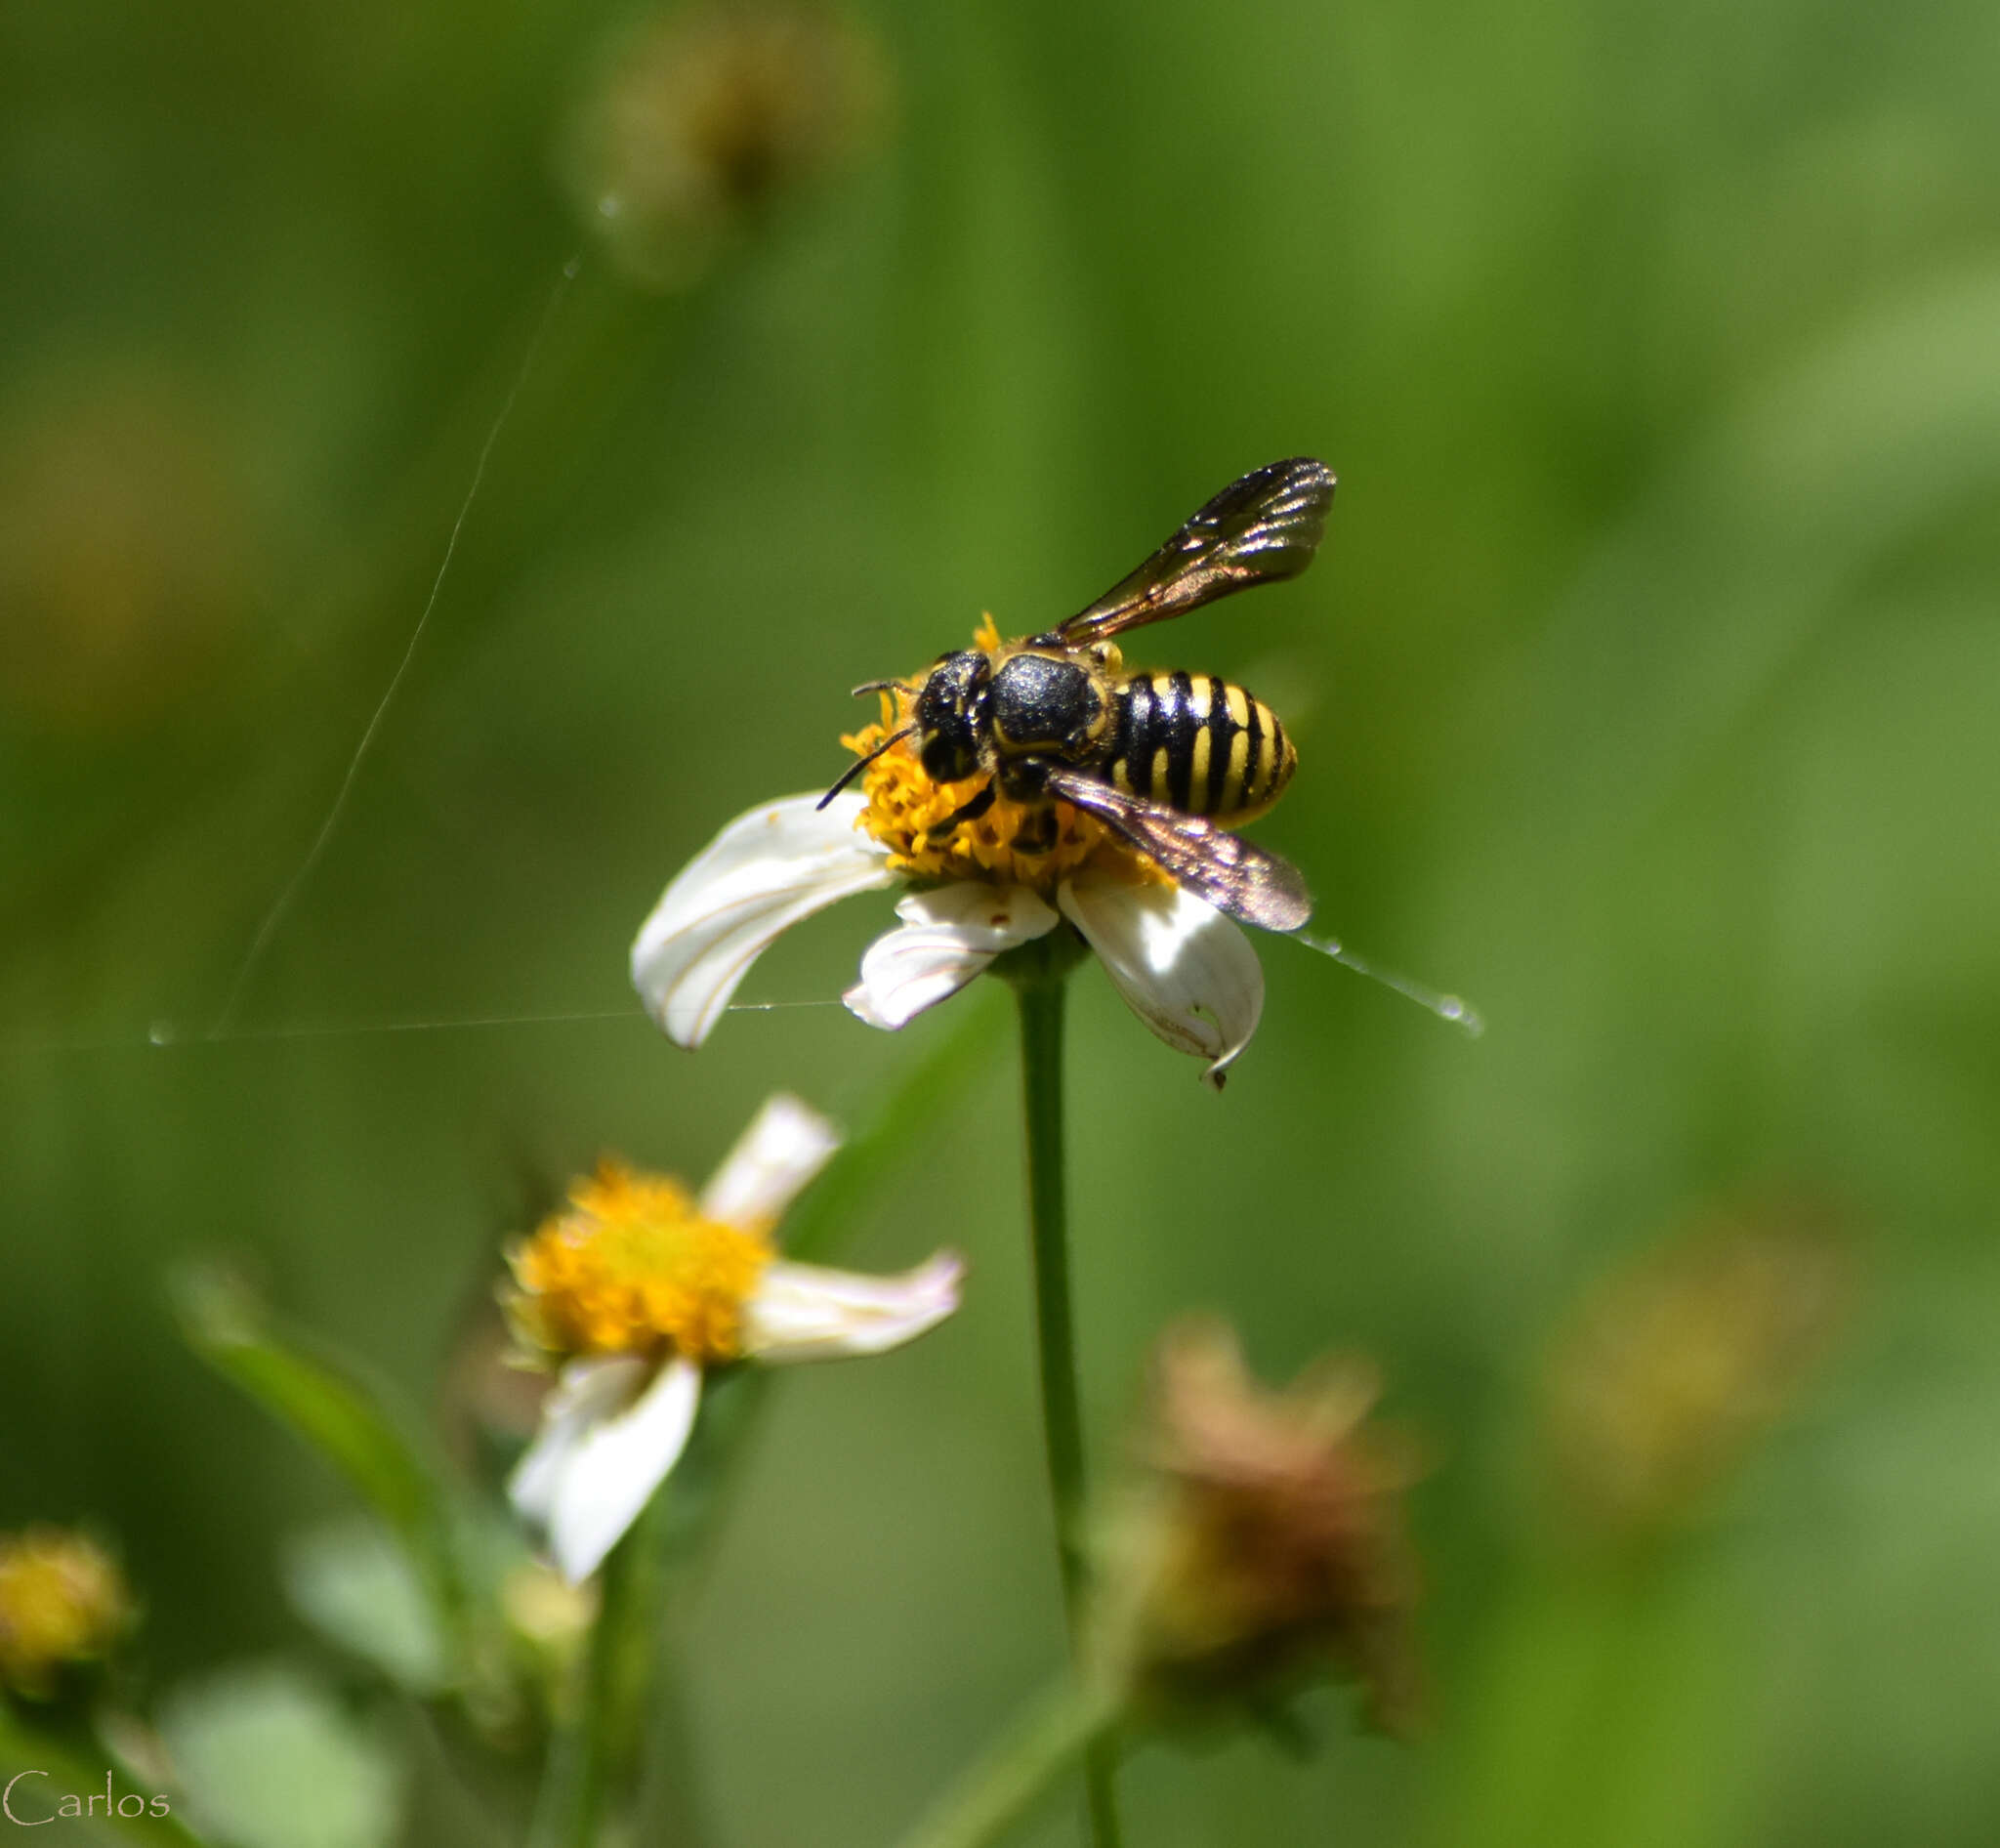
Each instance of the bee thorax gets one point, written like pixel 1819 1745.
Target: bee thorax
pixel 1042 702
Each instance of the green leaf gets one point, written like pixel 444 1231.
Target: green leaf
pixel 359 1591
pixel 325 1402
pixel 270 1760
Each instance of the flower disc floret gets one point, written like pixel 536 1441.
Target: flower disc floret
pixel 632 1267
pixel 904 804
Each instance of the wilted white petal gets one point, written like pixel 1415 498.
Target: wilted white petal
pixel 585 1394
pixel 1182 967
pixel 948 937
pixel 801 1311
pixel 609 1458
pixel 763 873
pixel 785 1146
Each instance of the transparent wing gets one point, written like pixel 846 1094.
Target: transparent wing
pixel 1232 874
pixel 1260 528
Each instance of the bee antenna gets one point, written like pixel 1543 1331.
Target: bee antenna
pixel 877 686
pixel 861 764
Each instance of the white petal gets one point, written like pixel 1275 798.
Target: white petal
pixel 802 1311
pixel 948 936
pixel 599 1459
pixel 587 1392
pixel 1182 967
pixel 785 1146
pixel 756 880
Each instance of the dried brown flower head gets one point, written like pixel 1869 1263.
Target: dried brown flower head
pixel 709 111
pixel 1269 1544
pixel 1676 1364
pixel 125 551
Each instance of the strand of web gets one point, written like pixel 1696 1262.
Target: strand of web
pixel 166 1033
pixel 1454 1008
pixel 1451 1008
pixel 281 908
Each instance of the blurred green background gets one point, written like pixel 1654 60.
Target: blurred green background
pixel 1645 690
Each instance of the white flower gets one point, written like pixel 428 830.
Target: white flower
pixel 638 1288
pixel 1184 968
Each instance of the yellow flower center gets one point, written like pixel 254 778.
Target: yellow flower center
pixel 905 806
pixel 633 1268
pixel 62 1600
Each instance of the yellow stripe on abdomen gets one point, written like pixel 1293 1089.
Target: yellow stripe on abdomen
pixel 1271 769
pixel 1233 779
pixel 1197 774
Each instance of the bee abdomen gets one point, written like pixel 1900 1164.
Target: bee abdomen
pixel 1199 745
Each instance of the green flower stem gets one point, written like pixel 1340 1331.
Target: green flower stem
pixel 1063 1723
pixel 670 1810
pixel 595 1765
pixel 1039 987
pixel 1048 1208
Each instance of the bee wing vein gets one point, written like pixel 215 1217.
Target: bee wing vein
pixel 1258 530
pixel 1235 875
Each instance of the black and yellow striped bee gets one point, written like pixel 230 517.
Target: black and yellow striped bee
pixel 1159 758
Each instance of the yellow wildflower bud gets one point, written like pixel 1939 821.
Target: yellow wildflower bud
pixel 63 1602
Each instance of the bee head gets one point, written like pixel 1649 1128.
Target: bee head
pixel 949 712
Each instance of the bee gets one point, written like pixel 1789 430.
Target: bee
pixel 1160 759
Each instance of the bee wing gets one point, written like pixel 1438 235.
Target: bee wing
pixel 1232 874
pixel 1258 530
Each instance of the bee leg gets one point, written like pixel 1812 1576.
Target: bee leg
pixel 1037 831
pixel 964 811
